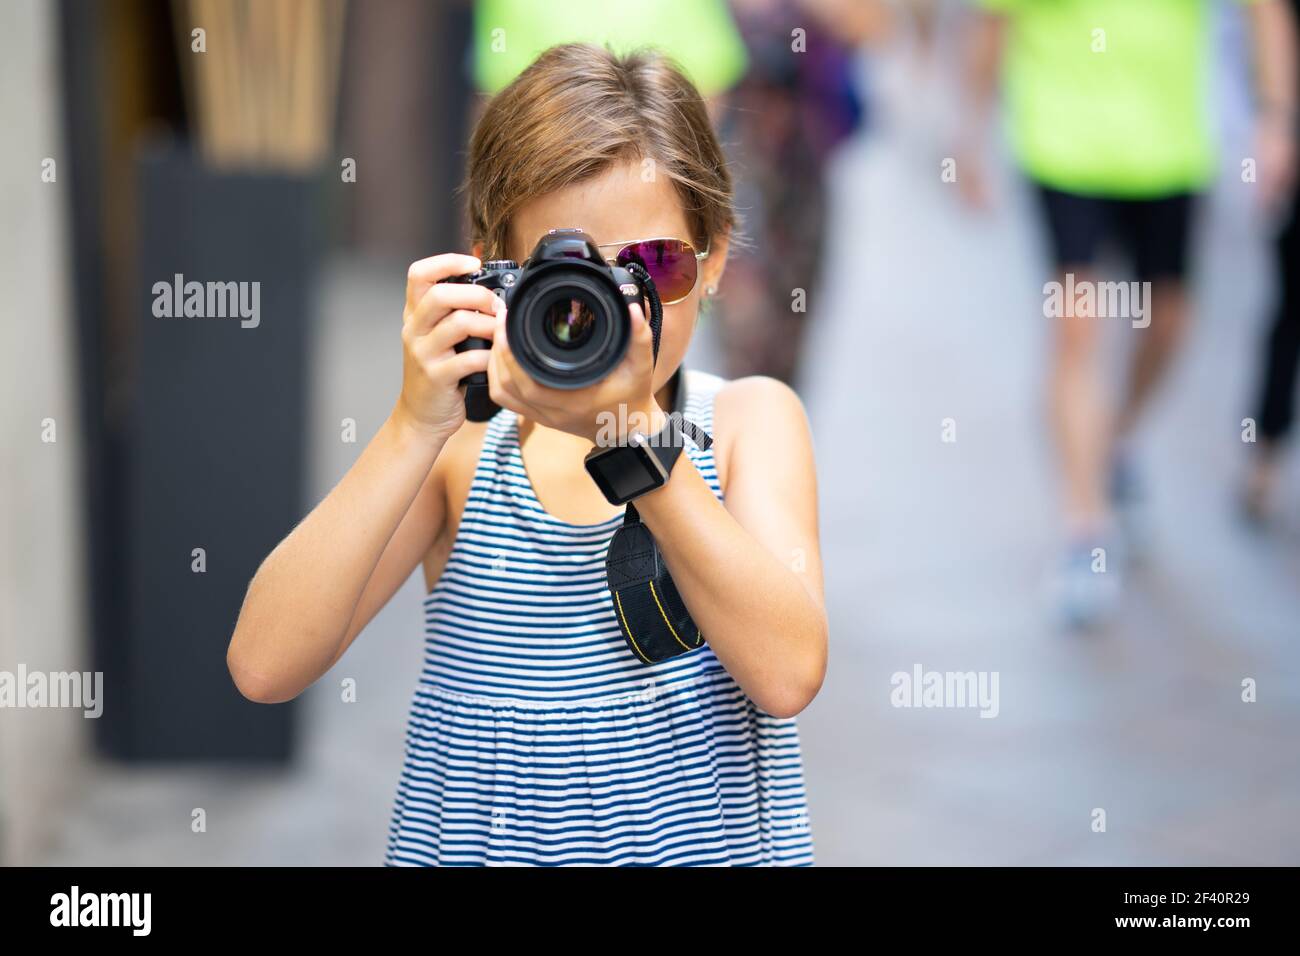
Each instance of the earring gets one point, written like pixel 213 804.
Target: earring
pixel 710 290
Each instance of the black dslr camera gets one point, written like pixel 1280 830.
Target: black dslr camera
pixel 568 324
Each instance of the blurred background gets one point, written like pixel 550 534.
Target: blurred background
pixel 148 465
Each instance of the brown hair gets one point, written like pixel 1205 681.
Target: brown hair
pixel 576 111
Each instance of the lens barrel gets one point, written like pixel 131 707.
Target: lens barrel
pixel 568 324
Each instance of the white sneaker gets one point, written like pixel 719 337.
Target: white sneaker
pixel 1088 585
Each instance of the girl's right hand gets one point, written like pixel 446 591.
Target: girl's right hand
pixel 437 316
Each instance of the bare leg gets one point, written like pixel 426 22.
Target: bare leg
pixel 1156 347
pixel 1080 416
pixel 1262 479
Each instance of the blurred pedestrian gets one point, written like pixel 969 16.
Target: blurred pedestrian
pixel 1109 121
pixel 1275 416
pixel 698 35
pixel 797 102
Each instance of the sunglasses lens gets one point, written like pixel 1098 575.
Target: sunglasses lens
pixel 670 262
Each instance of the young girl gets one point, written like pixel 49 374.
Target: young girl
pixel 536 736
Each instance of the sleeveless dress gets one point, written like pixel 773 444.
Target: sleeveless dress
pixel 536 737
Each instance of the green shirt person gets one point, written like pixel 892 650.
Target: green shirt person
pixel 1110 97
pixel 1107 108
pixel 699 34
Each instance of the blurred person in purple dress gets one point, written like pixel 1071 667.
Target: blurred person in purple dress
pixel 795 104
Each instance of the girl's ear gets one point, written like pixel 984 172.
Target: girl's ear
pixel 477 250
pixel 716 263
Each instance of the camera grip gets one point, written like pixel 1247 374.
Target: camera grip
pixel 479 406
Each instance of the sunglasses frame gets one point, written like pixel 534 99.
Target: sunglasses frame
pixel 699 257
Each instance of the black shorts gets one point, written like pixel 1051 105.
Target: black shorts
pixel 1155 232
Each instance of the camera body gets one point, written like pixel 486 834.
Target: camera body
pixel 568 324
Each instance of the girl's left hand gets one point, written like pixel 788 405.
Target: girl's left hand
pixel 601 413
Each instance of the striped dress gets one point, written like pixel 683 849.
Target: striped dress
pixel 536 737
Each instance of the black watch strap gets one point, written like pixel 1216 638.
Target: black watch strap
pixel 667 445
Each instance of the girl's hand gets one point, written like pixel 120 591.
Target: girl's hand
pixel 437 316
pixel 602 413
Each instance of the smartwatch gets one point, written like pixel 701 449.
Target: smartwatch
pixel 640 465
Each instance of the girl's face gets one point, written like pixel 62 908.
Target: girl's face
pixel 620 205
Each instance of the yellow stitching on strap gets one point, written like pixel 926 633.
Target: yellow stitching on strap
pixel 627 630
pixel 665 617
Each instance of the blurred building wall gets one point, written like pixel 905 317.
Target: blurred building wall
pixel 41 576
pixel 404 119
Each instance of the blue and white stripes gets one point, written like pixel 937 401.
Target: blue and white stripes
pixel 536 737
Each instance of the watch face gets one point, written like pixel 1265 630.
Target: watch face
pixel 624 473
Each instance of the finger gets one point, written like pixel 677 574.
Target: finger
pixel 517 382
pixel 510 378
pixel 498 373
pixel 439 300
pixel 457 326
pixel 501 348
pixel 426 272
pixel 460 364
pixel 640 350
pixel 500 388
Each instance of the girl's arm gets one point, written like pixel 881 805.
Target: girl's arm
pixel 750 571
pixel 325 581
pixel 322 584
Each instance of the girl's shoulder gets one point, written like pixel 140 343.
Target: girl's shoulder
pixel 759 412
pixel 751 404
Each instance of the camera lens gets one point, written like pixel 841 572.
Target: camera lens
pixel 569 323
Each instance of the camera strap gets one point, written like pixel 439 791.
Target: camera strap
pixel 654 619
